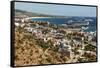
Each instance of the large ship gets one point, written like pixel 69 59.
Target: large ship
pixel 78 23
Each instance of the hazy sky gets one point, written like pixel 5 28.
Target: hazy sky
pixel 64 10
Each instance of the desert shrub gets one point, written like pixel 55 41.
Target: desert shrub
pixel 90 47
pixel 82 60
pixel 90 57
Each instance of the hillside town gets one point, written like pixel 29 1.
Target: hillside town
pixel 76 45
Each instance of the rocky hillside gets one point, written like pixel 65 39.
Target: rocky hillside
pixel 29 52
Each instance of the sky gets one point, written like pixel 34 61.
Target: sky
pixel 52 9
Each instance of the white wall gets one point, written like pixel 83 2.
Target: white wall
pixel 5 34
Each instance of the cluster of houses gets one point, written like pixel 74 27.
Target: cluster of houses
pixel 59 39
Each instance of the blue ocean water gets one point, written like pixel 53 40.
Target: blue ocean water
pixel 92 24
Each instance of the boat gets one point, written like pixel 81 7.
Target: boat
pixel 84 28
pixel 78 23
